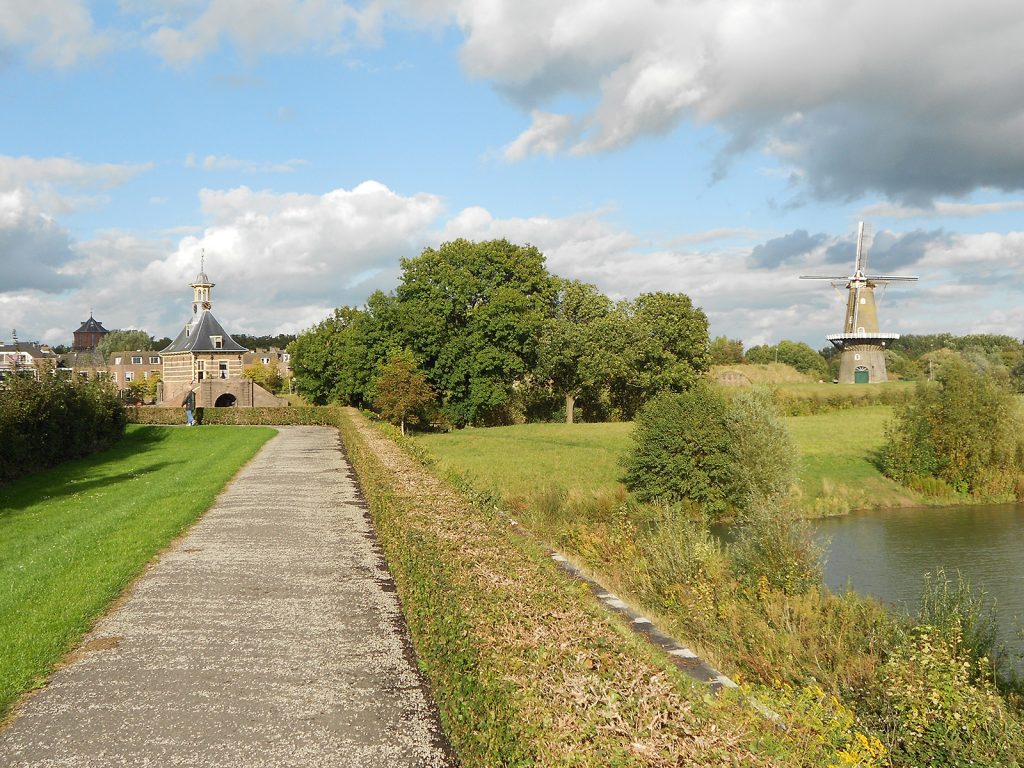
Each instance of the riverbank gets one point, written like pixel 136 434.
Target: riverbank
pixel 755 608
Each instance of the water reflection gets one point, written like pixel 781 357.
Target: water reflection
pixel 887 553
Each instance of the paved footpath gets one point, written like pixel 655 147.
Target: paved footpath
pixel 270 635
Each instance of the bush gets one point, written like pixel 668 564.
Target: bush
pixel 305 415
pixel 964 431
pixel 682 452
pixel 960 613
pixel 52 419
pixel 698 447
pixel 941 711
pixel 774 548
pixel 764 455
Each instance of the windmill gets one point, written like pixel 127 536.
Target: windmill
pixel 861 343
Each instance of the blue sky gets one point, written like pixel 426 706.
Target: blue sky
pixel 306 145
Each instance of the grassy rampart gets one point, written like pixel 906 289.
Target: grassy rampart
pixel 526 669
pixel 73 537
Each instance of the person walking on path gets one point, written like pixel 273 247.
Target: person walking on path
pixel 190 405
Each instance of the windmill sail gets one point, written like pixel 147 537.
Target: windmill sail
pixel 861 342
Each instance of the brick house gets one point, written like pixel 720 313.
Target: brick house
pixel 205 359
pixel 25 357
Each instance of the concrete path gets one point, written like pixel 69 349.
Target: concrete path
pixel 269 636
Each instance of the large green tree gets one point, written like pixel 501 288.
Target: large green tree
pixel 337 359
pixel 576 354
pixel 472 313
pixel 663 339
pixel 128 340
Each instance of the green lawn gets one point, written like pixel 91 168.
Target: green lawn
pixel 519 460
pixel 838 451
pixel 73 537
pixel 839 454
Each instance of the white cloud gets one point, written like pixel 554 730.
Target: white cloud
pixel 189 32
pixel 55 33
pixel 547 135
pixel 56 184
pixel 939 209
pixel 228 163
pixel 914 100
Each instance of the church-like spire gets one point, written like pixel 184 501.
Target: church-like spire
pixel 201 287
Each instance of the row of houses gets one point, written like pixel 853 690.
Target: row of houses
pixel 122 367
pixel 203 359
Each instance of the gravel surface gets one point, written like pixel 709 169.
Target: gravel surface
pixel 270 635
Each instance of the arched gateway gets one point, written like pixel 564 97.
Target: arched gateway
pixel 206 360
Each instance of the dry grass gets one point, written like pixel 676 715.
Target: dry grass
pixel 575 685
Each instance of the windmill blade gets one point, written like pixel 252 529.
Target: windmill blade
pixel 825 277
pixel 889 278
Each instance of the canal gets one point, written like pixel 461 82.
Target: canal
pixel 887 553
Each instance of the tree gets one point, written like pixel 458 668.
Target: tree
pixel 472 313
pixel 124 340
pixel 574 354
pixel 336 360
pixel 663 343
pixel 267 376
pixel 965 430
pixel 402 393
pixel 725 351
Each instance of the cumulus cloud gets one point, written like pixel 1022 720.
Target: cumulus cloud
pixel 33 248
pixel 547 135
pixel 54 33
pixel 913 100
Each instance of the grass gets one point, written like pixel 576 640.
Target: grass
pixel 839 456
pixel 519 460
pixel 73 537
pixel 838 466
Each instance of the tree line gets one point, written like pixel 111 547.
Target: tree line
pixel 912 357
pixel 499 339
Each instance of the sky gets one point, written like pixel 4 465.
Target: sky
pixel 305 146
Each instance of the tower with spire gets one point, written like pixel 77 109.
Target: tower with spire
pixel 205 359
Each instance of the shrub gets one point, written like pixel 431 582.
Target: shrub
pixel 50 419
pixel 965 431
pixel 698 447
pixel 941 711
pixel 305 415
pixel 681 450
pixel 774 548
pixel 960 612
pixel 764 455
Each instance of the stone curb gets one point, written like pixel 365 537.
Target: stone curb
pixel 682 657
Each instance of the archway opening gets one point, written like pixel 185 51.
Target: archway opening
pixel 225 401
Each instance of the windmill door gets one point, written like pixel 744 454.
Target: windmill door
pixel 860 375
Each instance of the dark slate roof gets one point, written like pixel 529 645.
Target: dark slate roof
pixel 201 279
pixel 204 325
pixel 30 347
pixel 92 326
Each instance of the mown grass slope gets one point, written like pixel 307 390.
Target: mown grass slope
pixel 73 537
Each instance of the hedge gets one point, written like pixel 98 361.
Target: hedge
pixel 304 415
pixel 50 419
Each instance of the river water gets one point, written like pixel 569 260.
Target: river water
pixel 886 554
